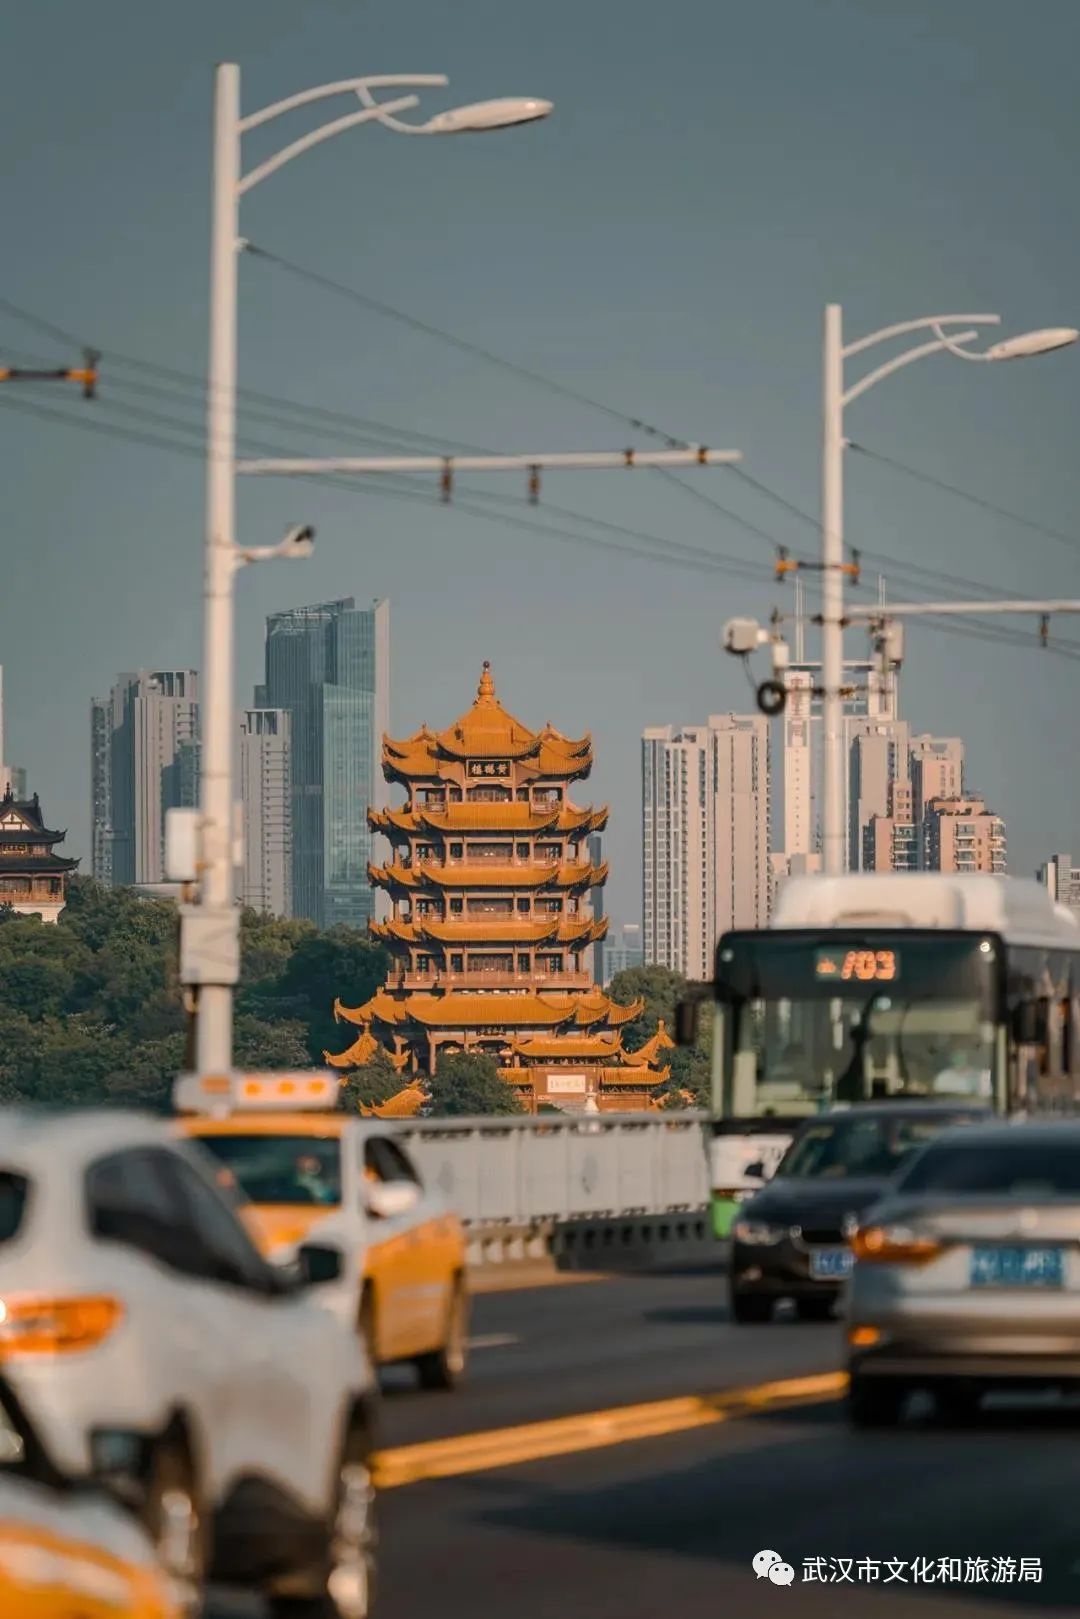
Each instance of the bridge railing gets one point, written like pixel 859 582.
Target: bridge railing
pixel 543 1184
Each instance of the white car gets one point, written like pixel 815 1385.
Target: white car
pixel 151 1348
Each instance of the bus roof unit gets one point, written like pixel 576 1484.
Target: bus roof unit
pixel 1017 908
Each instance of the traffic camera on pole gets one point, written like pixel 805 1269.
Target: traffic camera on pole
pixel 741 637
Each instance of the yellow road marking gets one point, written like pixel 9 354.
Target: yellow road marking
pixel 561 1436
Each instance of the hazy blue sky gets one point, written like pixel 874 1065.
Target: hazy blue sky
pixel 712 176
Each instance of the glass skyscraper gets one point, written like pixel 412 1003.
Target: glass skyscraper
pixel 329 667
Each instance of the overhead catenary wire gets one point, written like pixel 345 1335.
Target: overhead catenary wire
pixel 652 548
pixel 256 402
pixel 285 412
pixel 703 562
pixel 463 345
pixel 934 482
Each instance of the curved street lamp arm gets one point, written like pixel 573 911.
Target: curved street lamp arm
pixel 952 342
pixel 364 93
pixel 928 323
pixel 919 353
pixel 373 114
pixel 378 81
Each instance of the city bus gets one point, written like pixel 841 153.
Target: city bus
pixel 883 986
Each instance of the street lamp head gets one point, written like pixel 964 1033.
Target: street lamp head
pixel 1030 343
pixel 482 115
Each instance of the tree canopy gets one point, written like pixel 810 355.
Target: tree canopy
pixel 661 989
pixel 91 1008
pixel 464 1085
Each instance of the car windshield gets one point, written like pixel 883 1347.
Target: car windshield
pixel 273 1169
pixel 1019 1168
pixel 13 1194
pixel 854 1146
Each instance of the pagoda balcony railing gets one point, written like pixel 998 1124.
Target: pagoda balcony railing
pixel 542 981
pixel 529 864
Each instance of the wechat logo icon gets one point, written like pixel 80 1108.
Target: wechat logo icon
pixel 770 1565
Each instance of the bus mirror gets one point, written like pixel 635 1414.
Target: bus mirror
pixel 686 1022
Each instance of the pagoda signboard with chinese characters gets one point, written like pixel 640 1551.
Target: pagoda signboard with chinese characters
pixel 489 880
pixel 33 876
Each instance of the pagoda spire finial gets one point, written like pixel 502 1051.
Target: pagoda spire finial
pixel 485 692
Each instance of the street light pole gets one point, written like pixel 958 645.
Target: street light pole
pixel 835 399
pixel 215 1000
pixel 832 591
pixel 210 930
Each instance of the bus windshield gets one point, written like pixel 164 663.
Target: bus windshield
pixel 836 1017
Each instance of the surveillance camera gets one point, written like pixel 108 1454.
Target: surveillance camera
pixel 742 636
pixel 298 542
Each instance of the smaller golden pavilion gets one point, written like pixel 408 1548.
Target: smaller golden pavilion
pixel 492 883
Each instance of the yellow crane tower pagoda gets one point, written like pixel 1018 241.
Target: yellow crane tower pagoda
pixel 491 920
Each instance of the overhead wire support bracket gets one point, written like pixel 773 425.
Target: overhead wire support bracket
pixel 574 460
pixel 86 374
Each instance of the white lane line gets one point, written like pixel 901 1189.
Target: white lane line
pixel 494 1340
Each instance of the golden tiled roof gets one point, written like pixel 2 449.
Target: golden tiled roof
pixel 539 1046
pixel 486 731
pixel 489 817
pixel 503 1009
pixel 404 1104
pixel 508 929
pixel 647 1054
pixel 361 1052
pixel 570 875
pixel 642 1079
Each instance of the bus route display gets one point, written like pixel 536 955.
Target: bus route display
pixel 852 965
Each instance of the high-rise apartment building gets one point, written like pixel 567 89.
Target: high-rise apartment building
pixel 962 835
pixel 1062 878
pixel 622 950
pixel 937 770
pixel 264 880
pixel 140 735
pixel 798 724
pixel 891 842
pixel 873 697
pixel 877 757
pixel 328 668
pixel 705 824
pixel 101 860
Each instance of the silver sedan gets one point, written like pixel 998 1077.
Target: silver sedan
pixel 967 1275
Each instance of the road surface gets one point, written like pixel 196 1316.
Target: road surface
pixel 669 1526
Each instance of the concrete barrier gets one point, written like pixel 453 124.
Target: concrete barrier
pixel 576 1192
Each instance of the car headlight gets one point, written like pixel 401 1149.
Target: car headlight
pixel 757 1233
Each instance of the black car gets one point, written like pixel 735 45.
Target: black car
pixel 790 1240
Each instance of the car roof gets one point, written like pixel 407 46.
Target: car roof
pixel 253 1123
pixel 75 1135
pixel 1042 1131
pixel 931 1108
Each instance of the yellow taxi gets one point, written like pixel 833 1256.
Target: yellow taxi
pixel 310 1172
pixel 67 1555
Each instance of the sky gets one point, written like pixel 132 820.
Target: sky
pixel 664 244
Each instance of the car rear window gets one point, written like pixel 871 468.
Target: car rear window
pixel 281 1170
pixel 1017 1168
pixel 14 1194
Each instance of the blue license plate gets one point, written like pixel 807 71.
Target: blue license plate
pixel 830 1264
pixel 1018 1267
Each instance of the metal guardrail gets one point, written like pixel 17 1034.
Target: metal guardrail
pixel 538 1172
